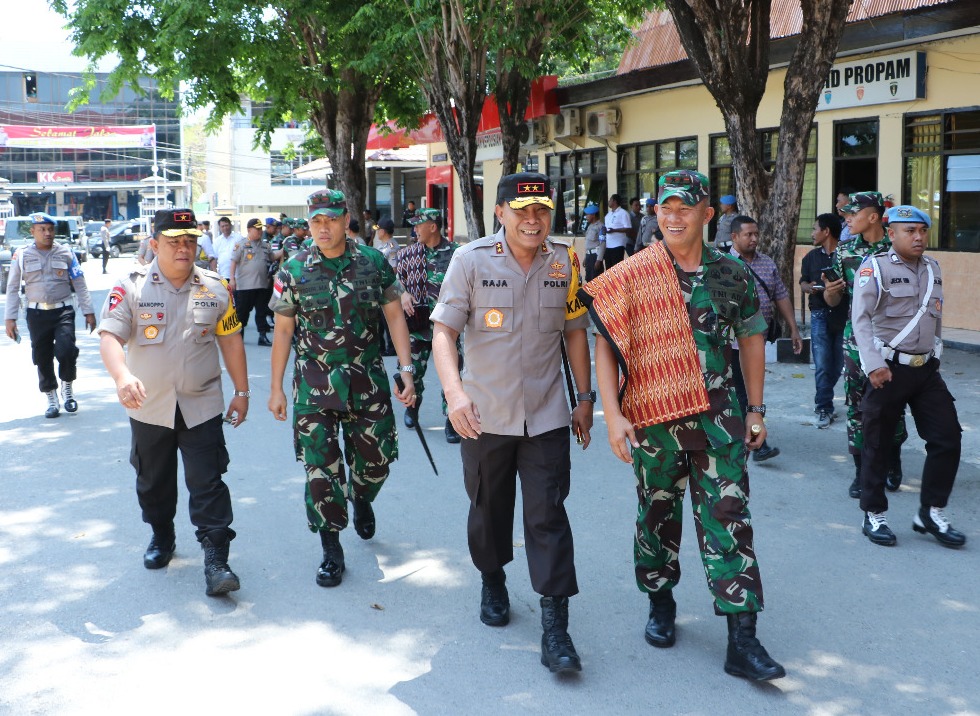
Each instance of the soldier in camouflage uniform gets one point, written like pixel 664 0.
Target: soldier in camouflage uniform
pixel 421 268
pixel 328 300
pixel 867 237
pixel 704 450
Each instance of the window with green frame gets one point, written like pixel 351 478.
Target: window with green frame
pixel 942 176
pixel 640 166
pixel 722 174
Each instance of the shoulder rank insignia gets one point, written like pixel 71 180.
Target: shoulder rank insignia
pixel 498 248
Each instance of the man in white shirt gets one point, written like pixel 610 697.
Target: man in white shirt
pixel 619 227
pixel 223 244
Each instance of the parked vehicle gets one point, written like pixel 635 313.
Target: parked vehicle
pixel 124 236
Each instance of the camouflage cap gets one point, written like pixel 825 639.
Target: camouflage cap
pixel 329 202
pixel 688 186
pixel 906 214
pixel 301 224
pixel 864 200
pixel 424 215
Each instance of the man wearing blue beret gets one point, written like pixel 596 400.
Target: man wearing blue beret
pixel 897 320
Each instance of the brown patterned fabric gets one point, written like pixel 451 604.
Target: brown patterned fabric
pixel 639 308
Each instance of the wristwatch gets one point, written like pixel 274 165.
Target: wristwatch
pixel 760 409
pixel 406 369
pixel 590 396
pixel 243 393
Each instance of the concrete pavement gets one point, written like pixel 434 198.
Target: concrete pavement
pixel 84 628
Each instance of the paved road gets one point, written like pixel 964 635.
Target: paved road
pixel 84 629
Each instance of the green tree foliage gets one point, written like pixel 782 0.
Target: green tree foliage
pixel 326 61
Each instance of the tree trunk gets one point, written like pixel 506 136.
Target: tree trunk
pixel 730 49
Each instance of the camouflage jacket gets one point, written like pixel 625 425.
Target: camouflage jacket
pixel 337 304
pixel 722 304
pixel 847 262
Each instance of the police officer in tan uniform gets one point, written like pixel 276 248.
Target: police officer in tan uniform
pixel 250 261
pixel 897 319
pixel 514 295
pixel 174 318
pixel 50 273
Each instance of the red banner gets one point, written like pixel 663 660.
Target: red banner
pixel 141 136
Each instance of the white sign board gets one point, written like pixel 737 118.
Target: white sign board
pixel 875 80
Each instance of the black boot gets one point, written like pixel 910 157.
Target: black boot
pixel 746 656
pixel 264 339
pixel 331 570
pixel 557 651
pixel 855 489
pixel 364 522
pixel 217 574
pixel 452 437
pixel 494 600
pixel 162 546
pixel 660 628
pixel 893 478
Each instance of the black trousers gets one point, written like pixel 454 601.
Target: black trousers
pixel 257 298
pixel 491 464
pixel 53 336
pixel 202 448
pixel 934 413
pixel 613 256
pixel 105 258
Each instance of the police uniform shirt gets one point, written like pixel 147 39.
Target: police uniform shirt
pixel 48 278
pixel 513 323
pixel 253 259
pixel 592 239
pixel 648 224
pixel 170 338
pixel 904 285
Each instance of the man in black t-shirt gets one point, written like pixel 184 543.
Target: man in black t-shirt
pixel 826 323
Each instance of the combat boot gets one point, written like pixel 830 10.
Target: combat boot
pixel 494 600
pixel 557 651
pixel 331 571
pixel 364 521
pixel 53 410
pixel 217 574
pixel 855 489
pixel 893 478
pixel 71 405
pixel 264 339
pixel 452 437
pixel 746 656
pixel 162 546
pixel 660 628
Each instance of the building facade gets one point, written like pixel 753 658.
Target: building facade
pixel 95 182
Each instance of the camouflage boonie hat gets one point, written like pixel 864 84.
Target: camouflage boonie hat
pixel 329 202
pixel 864 200
pixel 424 215
pixel 688 186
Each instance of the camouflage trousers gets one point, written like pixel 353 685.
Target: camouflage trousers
pixel 855 383
pixel 370 446
pixel 719 495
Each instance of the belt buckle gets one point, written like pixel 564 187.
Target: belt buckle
pixel 917 361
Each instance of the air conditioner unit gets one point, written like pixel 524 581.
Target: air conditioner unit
pixel 604 123
pixel 533 132
pixel 567 124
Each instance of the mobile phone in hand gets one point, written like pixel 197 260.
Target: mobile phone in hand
pixel 831 274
